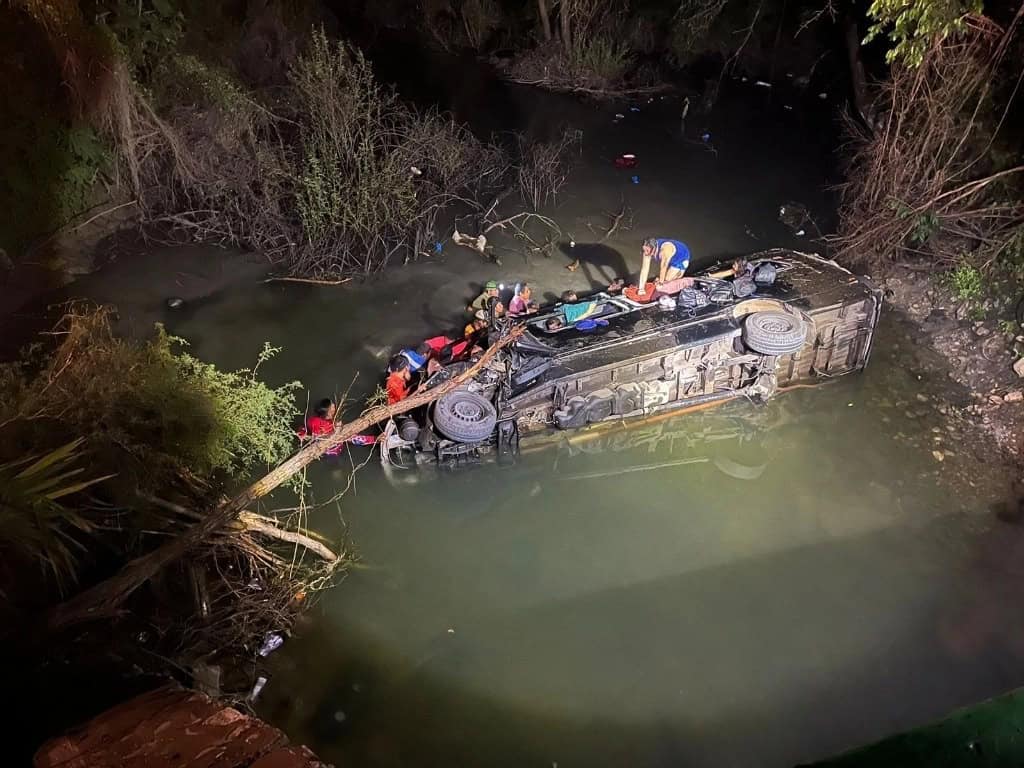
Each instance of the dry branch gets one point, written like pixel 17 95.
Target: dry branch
pixel 249 521
pixel 308 280
pixel 270 529
pixel 616 223
pixel 924 182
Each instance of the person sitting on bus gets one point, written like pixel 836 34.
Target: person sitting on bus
pixel 478 324
pixel 489 292
pixel 673 257
pixel 521 303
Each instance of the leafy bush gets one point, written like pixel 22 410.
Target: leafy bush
pixel 915 25
pixel 966 282
pixel 148 30
pixel 150 412
pixel 358 200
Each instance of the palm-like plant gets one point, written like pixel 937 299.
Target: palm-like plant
pixel 36 519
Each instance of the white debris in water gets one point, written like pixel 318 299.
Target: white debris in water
pixel 261 681
pixel 340 717
pixel 763 84
pixel 451 630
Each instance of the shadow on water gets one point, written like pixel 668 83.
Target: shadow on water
pixel 598 263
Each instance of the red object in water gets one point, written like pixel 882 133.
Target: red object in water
pixel 631 294
pixel 625 161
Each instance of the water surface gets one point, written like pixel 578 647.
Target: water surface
pixel 744 586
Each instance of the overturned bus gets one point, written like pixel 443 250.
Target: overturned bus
pixel 791 318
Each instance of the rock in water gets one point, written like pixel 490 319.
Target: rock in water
pixel 1016 396
pixel 1018 367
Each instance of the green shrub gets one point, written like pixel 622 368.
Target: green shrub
pixel 966 282
pixel 149 411
pixel 148 31
pixel 923 224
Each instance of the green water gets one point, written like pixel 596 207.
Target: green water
pixel 739 587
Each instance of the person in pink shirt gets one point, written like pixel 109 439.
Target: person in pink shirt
pixel 521 303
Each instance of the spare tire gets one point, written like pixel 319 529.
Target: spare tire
pixel 465 417
pixel 774 333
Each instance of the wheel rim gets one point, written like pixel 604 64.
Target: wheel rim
pixel 466 410
pixel 776 324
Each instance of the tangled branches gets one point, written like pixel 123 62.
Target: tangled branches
pixel 338 178
pixel 244 582
pixel 690 25
pixel 926 182
pixel 543 167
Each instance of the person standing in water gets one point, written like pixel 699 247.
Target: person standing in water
pixel 673 257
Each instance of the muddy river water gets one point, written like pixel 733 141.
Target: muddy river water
pixel 747 586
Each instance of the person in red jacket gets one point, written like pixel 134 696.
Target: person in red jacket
pixel 322 420
pixel 399 381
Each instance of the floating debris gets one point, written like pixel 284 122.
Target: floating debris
pixel 261 681
pixel 271 643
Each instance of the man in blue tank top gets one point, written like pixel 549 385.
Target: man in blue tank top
pixel 673 257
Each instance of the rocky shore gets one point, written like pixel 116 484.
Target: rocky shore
pixel 977 347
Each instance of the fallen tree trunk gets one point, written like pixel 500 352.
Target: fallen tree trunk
pixel 103 600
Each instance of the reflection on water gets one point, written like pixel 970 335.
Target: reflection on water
pixel 739 587
pixel 736 587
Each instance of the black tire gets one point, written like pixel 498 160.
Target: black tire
pixel 465 417
pixel 774 333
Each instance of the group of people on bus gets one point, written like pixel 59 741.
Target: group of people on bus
pixel 409 370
